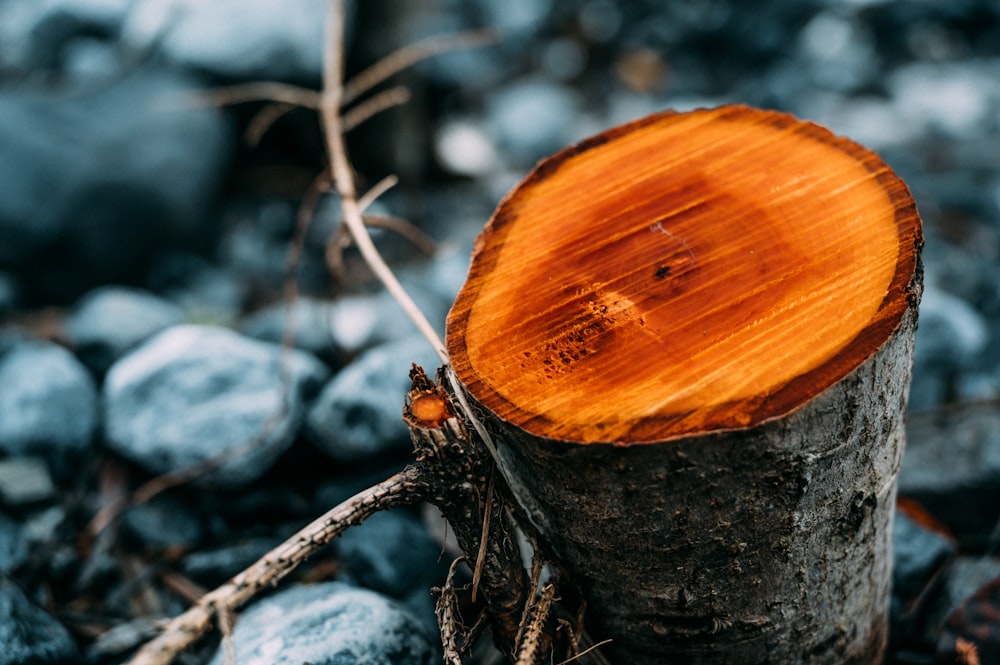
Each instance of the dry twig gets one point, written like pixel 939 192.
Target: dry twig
pixel 404 487
pixel 449 618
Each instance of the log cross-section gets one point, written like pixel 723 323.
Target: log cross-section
pixel 692 336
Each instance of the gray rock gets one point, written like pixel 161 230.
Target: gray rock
pixel 48 405
pixel 955 98
pixel 311 323
pixel 204 291
pixel 215 566
pixel 951 330
pixel 358 415
pixel 35 35
pixel 474 69
pixel 42 527
pixel 464 147
pixel 111 320
pixel 195 392
pixel 436 282
pixel 952 468
pixel 265 39
pixel 8 293
pixel 360 322
pixel 918 555
pixel 329 624
pixel 117 641
pixel 97 182
pixel 12 337
pixel 29 635
pixel 837 52
pixel 163 522
pixel 950 341
pixel 965 576
pixel 25 481
pixel 516 18
pixel 258 233
pixel 390 552
pixel 532 118
pixel 13 546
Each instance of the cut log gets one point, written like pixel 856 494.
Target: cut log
pixel 691 337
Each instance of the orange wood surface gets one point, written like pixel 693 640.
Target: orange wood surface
pixel 685 273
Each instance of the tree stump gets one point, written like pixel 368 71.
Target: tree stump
pixel 691 337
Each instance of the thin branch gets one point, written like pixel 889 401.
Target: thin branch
pixel 449 618
pixel 410 55
pixel 405 487
pixel 536 576
pixel 270 91
pixel 374 105
pixel 380 188
pixel 477 573
pixel 332 99
pixel 226 628
pixel 264 120
pixel 592 647
pixel 532 648
pixel 423 242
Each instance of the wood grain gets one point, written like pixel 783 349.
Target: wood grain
pixel 682 274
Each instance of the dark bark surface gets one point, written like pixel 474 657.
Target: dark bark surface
pixel 770 545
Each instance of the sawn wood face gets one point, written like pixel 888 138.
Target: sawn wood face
pixel 682 274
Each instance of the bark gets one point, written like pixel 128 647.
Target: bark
pixel 458 470
pixel 770 545
pixel 720 489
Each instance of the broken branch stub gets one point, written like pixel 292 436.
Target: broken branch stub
pixel 692 337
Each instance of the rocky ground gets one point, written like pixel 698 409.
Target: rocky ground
pixel 143 246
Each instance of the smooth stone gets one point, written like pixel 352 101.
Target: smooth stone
pixel 951 330
pixel 952 468
pixel 532 118
pixel 259 232
pixel 13 545
pixel 194 393
pixel 111 320
pixel 25 481
pixel 966 575
pixel 838 52
pixel 28 634
pixel 163 522
pixel 357 417
pixel 329 624
pixel 205 292
pixel 360 322
pixel 35 35
pixel 955 98
pixel 9 293
pixel 516 19
pixel 48 404
pixel 232 39
pixel 137 176
pixel 214 566
pixel 312 326
pixel 390 552
pixel 122 638
pixel 464 147
pixel 974 622
pixel 918 556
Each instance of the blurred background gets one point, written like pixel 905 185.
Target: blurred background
pixel 139 220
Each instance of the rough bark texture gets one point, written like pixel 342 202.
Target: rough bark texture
pixel 764 546
pixel 458 479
